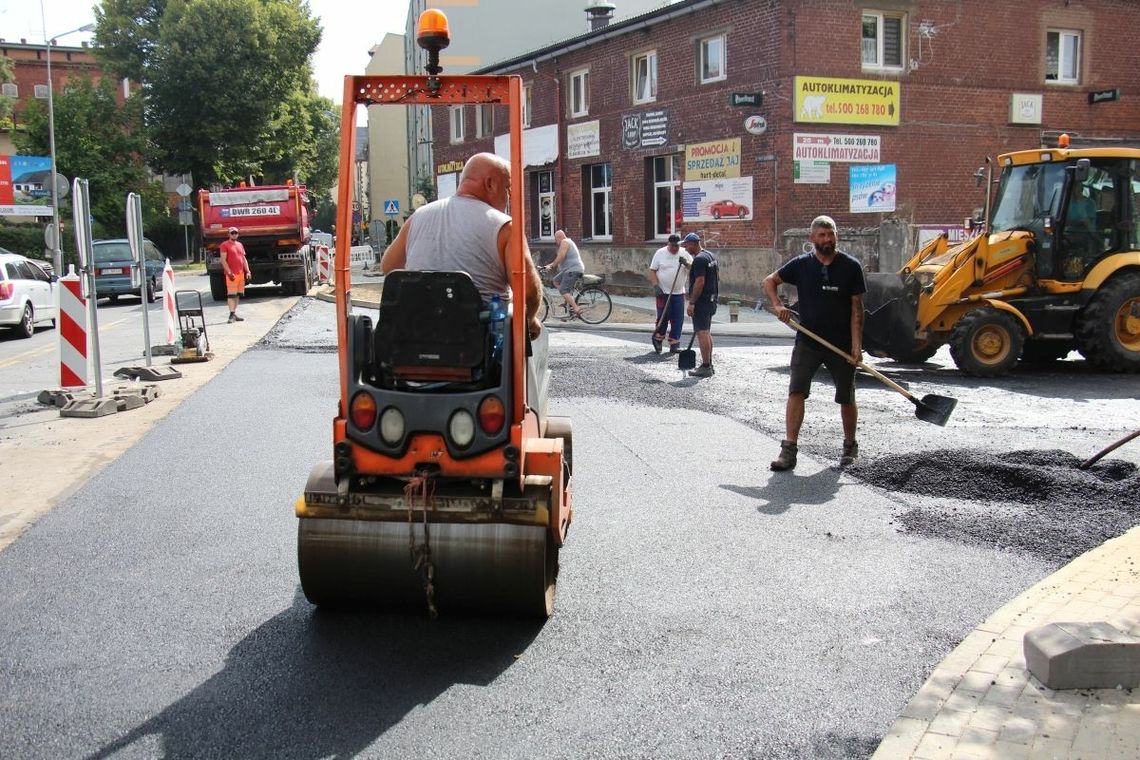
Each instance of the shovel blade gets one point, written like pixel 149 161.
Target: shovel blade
pixel 934 408
pixel 687 359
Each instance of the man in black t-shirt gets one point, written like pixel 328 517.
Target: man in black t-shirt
pixel 830 286
pixel 704 288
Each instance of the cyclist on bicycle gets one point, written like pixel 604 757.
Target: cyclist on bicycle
pixel 568 263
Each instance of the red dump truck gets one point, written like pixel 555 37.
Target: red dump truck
pixel 273 222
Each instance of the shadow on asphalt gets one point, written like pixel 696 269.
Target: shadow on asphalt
pixel 785 489
pixel 313 683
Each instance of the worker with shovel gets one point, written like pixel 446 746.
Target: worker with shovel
pixel 670 287
pixel 830 285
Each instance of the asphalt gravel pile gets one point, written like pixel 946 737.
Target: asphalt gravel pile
pixel 1037 501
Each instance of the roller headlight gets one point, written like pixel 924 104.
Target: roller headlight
pixel 392 426
pixel 461 428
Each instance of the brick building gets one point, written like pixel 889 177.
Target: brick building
pixel 30 77
pixel 745 118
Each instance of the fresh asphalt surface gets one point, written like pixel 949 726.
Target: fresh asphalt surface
pixel 706 607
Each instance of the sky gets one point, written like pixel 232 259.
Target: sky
pixel 349 33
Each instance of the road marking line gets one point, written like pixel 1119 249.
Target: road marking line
pixel 18 358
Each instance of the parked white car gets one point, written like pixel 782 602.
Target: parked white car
pixel 27 294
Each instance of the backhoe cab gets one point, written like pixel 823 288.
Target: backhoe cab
pixel 1055 268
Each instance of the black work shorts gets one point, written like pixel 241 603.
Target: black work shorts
pixel 702 316
pixel 806 359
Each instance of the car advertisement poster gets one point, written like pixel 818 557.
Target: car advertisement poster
pixel 714 200
pixel 25 187
pixel 872 188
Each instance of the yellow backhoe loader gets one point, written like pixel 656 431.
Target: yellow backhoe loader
pixel 1055 268
pixel 449 485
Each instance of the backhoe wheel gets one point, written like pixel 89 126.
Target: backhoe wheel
pixel 986 342
pixel 1108 333
pixel 217 286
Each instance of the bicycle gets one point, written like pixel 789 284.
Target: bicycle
pixel 594 303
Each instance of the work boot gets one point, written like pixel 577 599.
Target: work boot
pixel 705 370
pixel 237 318
pixel 787 458
pixel 850 453
pixel 232 319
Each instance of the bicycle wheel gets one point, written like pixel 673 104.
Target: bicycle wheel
pixel 544 308
pixel 595 305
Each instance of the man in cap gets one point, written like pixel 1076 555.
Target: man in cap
pixel 830 288
pixel 669 287
pixel 236 267
pixel 704 288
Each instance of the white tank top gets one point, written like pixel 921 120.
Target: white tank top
pixel 460 234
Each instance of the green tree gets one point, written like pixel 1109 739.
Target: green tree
pixel 126 34
pixel 6 75
pixel 96 138
pixel 223 80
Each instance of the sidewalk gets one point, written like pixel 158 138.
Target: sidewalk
pixel 980 701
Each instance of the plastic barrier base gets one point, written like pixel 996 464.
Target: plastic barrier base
pixel 148 374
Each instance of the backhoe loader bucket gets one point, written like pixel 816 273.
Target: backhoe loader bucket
pixel 890 306
pixel 449 487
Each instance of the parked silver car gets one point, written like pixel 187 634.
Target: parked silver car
pixel 27 294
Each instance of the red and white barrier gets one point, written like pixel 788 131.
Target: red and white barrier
pixel 72 332
pixel 169 307
pixel 324 264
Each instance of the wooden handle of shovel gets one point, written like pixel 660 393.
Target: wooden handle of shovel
pixel 861 365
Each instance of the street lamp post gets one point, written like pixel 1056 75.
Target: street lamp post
pixel 56 253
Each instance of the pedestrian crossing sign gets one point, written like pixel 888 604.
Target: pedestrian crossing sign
pixel 392 207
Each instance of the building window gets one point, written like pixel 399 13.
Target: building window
pixel 713 59
pixel 10 89
pixel 547 216
pixel 484 120
pixel 883 40
pixel 666 195
pixel 1063 57
pixel 644 77
pixel 41 91
pixel 456 114
pixel 601 209
pixel 579 93
pixel 528 104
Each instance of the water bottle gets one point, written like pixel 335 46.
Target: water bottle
pixel 498 325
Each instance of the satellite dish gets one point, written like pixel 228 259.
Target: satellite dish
pixel 418 200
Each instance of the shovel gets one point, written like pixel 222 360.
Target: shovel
pixel 930 408
pixel 1113 447
pixel 687 359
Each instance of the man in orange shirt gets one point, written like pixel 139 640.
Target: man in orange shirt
pixel 237 271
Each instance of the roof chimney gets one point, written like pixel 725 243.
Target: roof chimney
pixel 599 13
